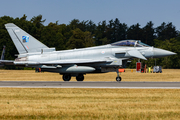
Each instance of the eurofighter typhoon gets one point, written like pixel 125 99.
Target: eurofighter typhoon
pixel 77 62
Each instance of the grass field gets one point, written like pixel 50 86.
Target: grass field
pixel 119 104
pixel 30 75
pixel 66 103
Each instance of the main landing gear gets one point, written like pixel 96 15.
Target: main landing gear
pixel 67 77
pixel 118 78
pixel 80 77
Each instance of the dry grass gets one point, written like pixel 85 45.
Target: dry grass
pixel 30 75
pixel 124 104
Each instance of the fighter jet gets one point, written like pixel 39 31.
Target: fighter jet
pixel 77 62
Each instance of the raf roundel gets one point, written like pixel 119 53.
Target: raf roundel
pixel 102 52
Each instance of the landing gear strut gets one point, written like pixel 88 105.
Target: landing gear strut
pixel 66 77
pixel 80 77
pixel 118 78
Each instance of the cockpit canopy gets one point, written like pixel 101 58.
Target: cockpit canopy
pixel 130 43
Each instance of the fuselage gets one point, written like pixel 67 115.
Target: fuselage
pixel 106 52
pixel 100 59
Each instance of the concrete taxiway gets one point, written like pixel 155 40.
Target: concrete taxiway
pixel 60 84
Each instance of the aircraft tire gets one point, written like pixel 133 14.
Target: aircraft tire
pixel 118 79
pixel 80 77
pixel 66 77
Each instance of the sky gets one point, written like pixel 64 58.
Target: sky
pixel 127 11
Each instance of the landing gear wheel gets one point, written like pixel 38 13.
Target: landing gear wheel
pixel 80 77
pixel 118 79
pixel 66 77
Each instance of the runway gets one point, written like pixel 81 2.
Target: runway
pixel 113 85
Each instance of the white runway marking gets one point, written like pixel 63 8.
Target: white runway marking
pixel 90 87
pixel 102 85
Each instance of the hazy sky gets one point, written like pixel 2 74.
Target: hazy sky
pixel 127 11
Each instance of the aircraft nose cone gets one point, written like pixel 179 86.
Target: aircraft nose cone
pixel 162 53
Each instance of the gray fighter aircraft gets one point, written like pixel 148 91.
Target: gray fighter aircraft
pixel 77 62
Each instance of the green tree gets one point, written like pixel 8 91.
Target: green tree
pixel 38 26
pixel 172 45
pixel 116 31
pixel 104 41
pixel 52 36
pixel 91 27
pixel 37 21
pixel 134 32
pixel 88 39
pixel 148 34
pixel 119 31
pixel 166 31
pixel 100 32
pixel 80 39
pixel 73 24
pixel 76 40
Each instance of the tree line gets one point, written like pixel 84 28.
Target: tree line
pixel 80 34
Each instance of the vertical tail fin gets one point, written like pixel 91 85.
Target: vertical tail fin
pixel 24 42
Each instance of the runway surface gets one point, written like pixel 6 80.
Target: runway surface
pixel 61 84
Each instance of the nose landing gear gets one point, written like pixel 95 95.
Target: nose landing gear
pixel 118 78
